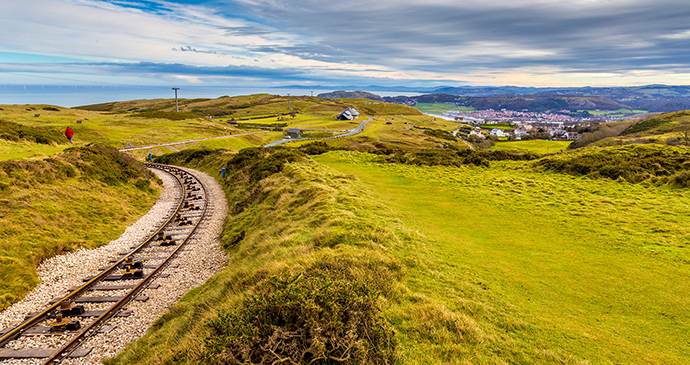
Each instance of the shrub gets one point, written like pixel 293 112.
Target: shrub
pixel 303 319
pixel 315 148
pixel 633 163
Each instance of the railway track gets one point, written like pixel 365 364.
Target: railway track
pixel 69 321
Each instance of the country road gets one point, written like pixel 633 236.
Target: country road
pixel 351 132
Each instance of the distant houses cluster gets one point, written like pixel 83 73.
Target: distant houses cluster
pixel 525 131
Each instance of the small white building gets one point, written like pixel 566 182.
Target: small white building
pixel 497 132
pixel 520 132
pixel 477 132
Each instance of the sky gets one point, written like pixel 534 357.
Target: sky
pixel 414 43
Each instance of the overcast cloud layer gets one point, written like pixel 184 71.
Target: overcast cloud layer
pixel 278 42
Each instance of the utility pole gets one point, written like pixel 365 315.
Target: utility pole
pixel 176 88
pixel 288 101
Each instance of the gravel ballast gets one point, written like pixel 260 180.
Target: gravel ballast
pixel 192 267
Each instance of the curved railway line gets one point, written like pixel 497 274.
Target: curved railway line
pixel 70 320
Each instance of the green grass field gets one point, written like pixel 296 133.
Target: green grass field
pixel 538 146
pixel 589 270
pixel 440 108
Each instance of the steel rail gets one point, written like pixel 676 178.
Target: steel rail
pixel 71 345
pixel 16 331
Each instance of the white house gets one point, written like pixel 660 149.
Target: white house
pixel 520 132
pixel 477 132
pixel 497 132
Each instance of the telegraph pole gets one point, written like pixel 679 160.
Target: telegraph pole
pixel 288 101
pixel 176 88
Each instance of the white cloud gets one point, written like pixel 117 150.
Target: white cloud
pixel 679 35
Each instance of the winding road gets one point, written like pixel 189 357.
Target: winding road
pixel 351 132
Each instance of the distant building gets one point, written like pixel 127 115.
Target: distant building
pixel 520 132
pixel 477 133
pixel 496 132
pixel 294 133
pixel 571 136
pixel 348 114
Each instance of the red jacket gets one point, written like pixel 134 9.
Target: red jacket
pixel 68 132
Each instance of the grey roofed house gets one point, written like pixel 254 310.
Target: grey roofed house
pixel 348 114
pixel 294 132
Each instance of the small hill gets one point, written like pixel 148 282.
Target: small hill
pixel 350 95
pixel 251 105
pixel 17 132
pixel 533 103
pixel 661 124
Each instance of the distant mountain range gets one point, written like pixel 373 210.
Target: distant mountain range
pixel 651 98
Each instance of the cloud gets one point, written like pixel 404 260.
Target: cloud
pixel 190 49
pixel 495 34
pixel 450 40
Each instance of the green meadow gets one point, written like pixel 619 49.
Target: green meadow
pixel 436 108
pixel 538 146
pixel 588 270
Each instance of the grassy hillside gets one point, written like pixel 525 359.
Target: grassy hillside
pixel 662 124
pixel 19 141
pixel 669 128
pixel 470 264
pixel 309 269
pixel 83 197
pixel 240 122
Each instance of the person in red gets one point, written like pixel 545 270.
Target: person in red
pixel 69 134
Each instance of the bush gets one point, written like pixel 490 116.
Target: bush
pixel 315 148
pixel 303 319
pixel 458 158
pixel 438 133
pixel 257 162
pixel 633 163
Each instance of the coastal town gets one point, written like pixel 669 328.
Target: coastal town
pixel 519 125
